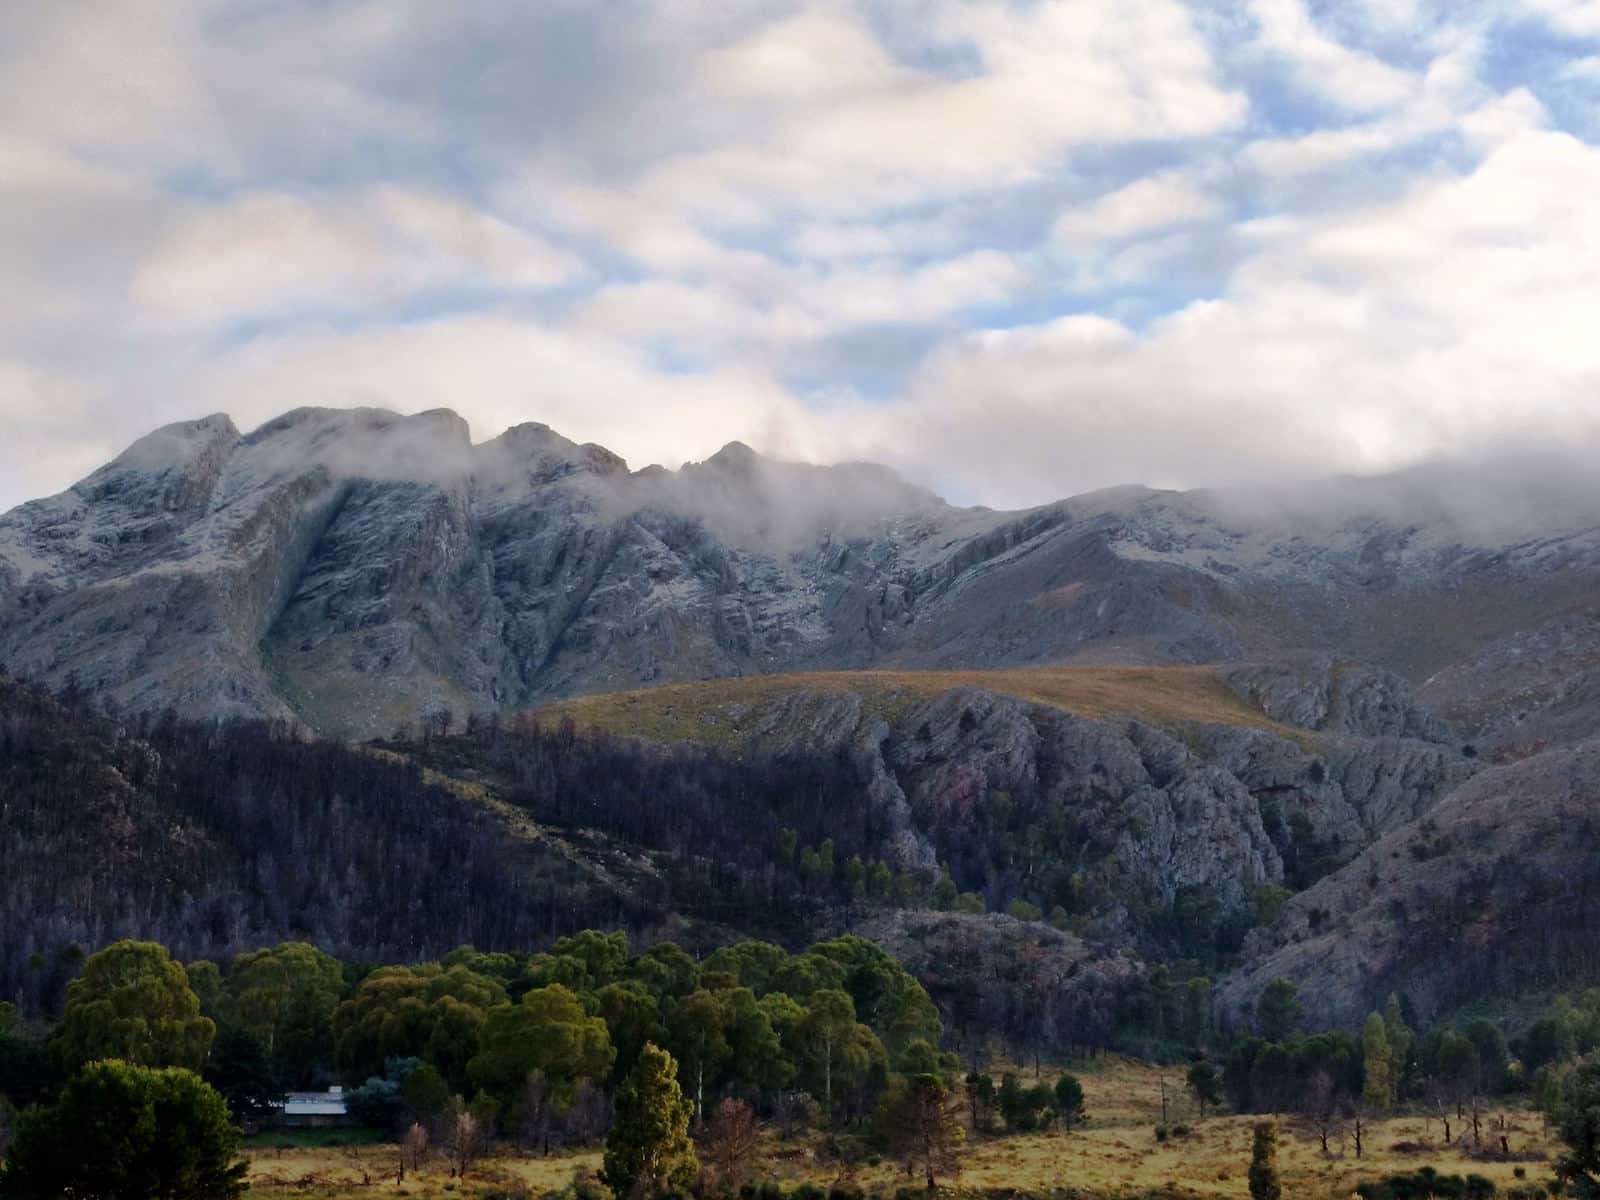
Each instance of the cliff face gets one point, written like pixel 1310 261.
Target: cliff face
pixel 356 569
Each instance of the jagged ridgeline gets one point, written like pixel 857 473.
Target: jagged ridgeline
pixel 1136 743
pixel 355 569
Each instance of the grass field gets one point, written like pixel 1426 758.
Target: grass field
pixel 1115 1154
pixel 720 711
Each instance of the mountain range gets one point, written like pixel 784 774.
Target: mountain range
pixel 1375 694
pixel 354 568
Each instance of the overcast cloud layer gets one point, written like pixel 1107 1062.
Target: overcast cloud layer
pixel 1016 249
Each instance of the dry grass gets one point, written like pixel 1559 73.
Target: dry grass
pixel 1115 1154
pixel 718 711
pixel 331 1174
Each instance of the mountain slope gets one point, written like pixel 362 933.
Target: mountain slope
pixel 356 569
pixel 1495 891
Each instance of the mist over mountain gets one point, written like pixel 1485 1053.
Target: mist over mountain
pixel 355 568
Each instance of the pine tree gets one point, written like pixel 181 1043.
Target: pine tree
pixel 1264 1183
pixel 1377 1061
pixel 648 1149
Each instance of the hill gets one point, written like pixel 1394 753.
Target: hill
pixel 729 711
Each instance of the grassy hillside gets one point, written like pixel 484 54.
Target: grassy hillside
pixel 714 711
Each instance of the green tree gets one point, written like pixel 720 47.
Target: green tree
pixel 648 1149
pixel 837 1050
pixel 697 1037
pixel 243 1073
pixel 133 1002
pixel 1278 1011
pixel 425 1092
pixel 1377 1064
pixel 1455 1061
pixel 415 1012
pixel 548 1031
pixel 206 980
pixel 604 955
pixel 1023 910
pixel 286 995
pixel 1206 1084
pixel 1264 1183
pixel 1401 1041
pixel 632 1016
pixel 126 1132
pixel 759 1059
pixel 666 971
pixel 1577 1120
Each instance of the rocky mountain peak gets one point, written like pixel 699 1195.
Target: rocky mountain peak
pixel 358 565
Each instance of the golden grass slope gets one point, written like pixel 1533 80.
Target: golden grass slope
pixel 714 711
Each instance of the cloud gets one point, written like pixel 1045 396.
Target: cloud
pixel 1452 320
pixel 1154 202
pixel 263 253
pixel 1580 18
pixel 1357 81
pixel 1017 247
pixel 1443 94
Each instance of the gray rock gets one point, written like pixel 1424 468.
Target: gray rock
pixel 355 568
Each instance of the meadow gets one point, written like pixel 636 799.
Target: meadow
pixel 1114 1154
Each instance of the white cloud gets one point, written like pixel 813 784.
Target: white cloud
pixel 889 135
pixel 524 211
pixel 1152 203
pixel 264 253
pixel 1360 82
pixel 1455 319
pixel 1580 18
pixel 1443 97
pixel 778 305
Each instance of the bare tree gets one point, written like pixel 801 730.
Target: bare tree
pixel 413 1150
pixel 1322 1105
pixel 588 1116
pixel 466 1140
pixel 925 1127
pixel 729 1141
pixel 536 1112
pixel 796 1112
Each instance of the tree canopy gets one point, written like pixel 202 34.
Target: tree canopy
pixel 126 1132
pixel 133 1002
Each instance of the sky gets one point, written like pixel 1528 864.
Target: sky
pixel 1017 249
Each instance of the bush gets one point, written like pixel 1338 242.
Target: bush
pixel 1426 1183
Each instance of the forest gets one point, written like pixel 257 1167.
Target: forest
pixel 216 838
pixel 539 1049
